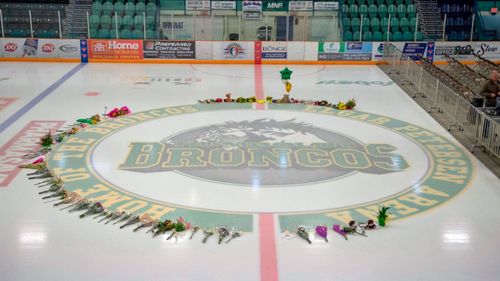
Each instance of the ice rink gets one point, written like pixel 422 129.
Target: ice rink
pixel 262 168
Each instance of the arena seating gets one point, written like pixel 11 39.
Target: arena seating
pixel 375 14
pixel 126 17
pixel 458 19
pixel 44 19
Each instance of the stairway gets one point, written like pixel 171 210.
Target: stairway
pixel 75 25
pixel 430 22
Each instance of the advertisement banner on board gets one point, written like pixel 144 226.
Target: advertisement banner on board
pixel 252 10
pixel 300 6
pixel 197 5
pixel 274 50
pixel 488 50
pixel 115 49
pixel 233 50
pixel 39 48
pixel 223 5
pixel 344 51
pixel 176 25
pixel 169 49
pixel 326 6
pixel 463 51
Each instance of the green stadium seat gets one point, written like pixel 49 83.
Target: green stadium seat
pixel 409 2
pixel 420 36
pixel 93 33
pixel 361 2
pixel 410 10
pixel 345 10
pixel 353 10
pixel 367 36
pixel 366 24
pixel 107 8
pixel 139 22
pixel 394 24
pixel 375 24
pixel 382 10
pixel 380 2
pixel 407 36
pixel 356 36
pixel 116 20
pixel 391 10
pixel 412 24
pixel 137 34
pixel 105 22
pixel 119 8
pixel 347 36
pixel 384 36
pixel 355 23
pixel 127 21
pixel 120 1
pixel 384 22
pixel 363 10
pixel 389 2
pixel 94 21
pixel 404 24
pixel 151 9
pixel 399 2
pixel 372 11
pixel 346 23
pixel 377 36
pixel 125 34
pixel 141 1
pixel 150 34
pixel 397 36
pixel 401 10
pixel 150 21
pixel 96 8
pixel 129 9
pixel 152 1
pixel 103 33
pixel 112 33
pixel 351 2
pixel 140 8
pixel 370 2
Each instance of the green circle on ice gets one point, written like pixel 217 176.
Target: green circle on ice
pixel 331 165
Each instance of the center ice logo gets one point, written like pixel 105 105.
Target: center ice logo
pixel 263 152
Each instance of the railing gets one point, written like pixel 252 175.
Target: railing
pixel 473 121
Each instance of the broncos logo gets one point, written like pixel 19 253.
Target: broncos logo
pixel 232 135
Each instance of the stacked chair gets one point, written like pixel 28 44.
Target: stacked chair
pixel 375 17
pixel 44 18
pixel 126 16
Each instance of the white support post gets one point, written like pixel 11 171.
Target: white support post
pixel 472 27
pixel 444 27
pixel 144 24
pixel 416 29
pixel 88 26
pixel 306 19
pixel 212 26
pixel 267 39
pixel 239 28
pixel 172 26
pixel 59 20
pixel 287 26
pixel 389 28
pixel 333 27
pixel 1 22
pixel 31 23
pixel 361 30
pixel 194 27
pixel 116 25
